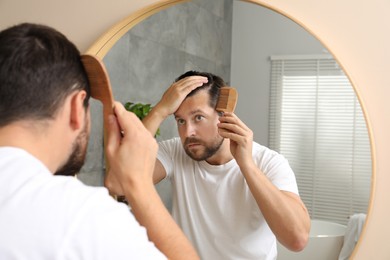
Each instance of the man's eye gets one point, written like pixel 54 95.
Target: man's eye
pixel 180 121
pixel 198 118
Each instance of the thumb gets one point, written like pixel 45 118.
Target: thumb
pixel 113 135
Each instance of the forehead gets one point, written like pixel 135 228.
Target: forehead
pixel 199 102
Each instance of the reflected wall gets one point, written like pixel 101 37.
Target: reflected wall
pixel 270 34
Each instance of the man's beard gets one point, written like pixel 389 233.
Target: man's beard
pixel 209 150
pixel 77 157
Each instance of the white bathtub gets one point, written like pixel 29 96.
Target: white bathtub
pixel 325 242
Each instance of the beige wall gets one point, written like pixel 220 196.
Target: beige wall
pixel 356 32
pixel 82 21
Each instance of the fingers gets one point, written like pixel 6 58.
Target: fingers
pixel 230 123
pixel 131 150
pixel 113 135
pixel 122 122
pixel 240 136
pixel 112 146
pixel 230 117
pixel 126 120
pixel 177 92
pixel 190 83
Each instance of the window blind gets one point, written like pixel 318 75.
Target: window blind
pixel 317 123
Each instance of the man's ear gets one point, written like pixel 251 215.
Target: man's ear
pixel 77 110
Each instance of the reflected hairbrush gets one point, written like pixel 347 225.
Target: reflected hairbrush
pixel 227 99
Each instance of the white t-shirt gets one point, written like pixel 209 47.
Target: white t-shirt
pixel 56 217
pixel 214 206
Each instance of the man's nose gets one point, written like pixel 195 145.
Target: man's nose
pixel 190 130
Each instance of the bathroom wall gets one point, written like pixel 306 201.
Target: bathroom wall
pixel 252 46
pixel 144 63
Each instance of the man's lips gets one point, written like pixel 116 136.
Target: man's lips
pixel 192 144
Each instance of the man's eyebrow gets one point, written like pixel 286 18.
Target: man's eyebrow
pixel 196 111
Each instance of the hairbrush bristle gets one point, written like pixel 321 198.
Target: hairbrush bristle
pixel 227 99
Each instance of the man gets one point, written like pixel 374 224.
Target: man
pixel 231 196
pixel 44 128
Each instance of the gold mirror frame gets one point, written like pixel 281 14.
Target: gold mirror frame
pixel 108 39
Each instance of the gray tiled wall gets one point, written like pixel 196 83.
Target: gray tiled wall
pixel 194 35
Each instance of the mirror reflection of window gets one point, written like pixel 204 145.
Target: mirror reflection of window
pixel 317 123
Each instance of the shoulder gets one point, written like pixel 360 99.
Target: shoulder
pixel 265 156
pixel 95 220
pixel 71 217
pixel 171 146
pixel 170 142
pixel 261 150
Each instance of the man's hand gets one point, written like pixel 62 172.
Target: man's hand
pixel 241 137
pixel 131 152
pixel 177 92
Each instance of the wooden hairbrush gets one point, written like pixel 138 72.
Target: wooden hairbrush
pixel 227 99
pixel 100 87
pixel 99 82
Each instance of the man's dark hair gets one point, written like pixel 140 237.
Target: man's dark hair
pixel 212 86
pixel 39 68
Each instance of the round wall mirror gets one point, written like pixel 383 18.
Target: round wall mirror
pixel 144 54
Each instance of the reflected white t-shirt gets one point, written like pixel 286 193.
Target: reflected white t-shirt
pixel 214 206
pixel 57 217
